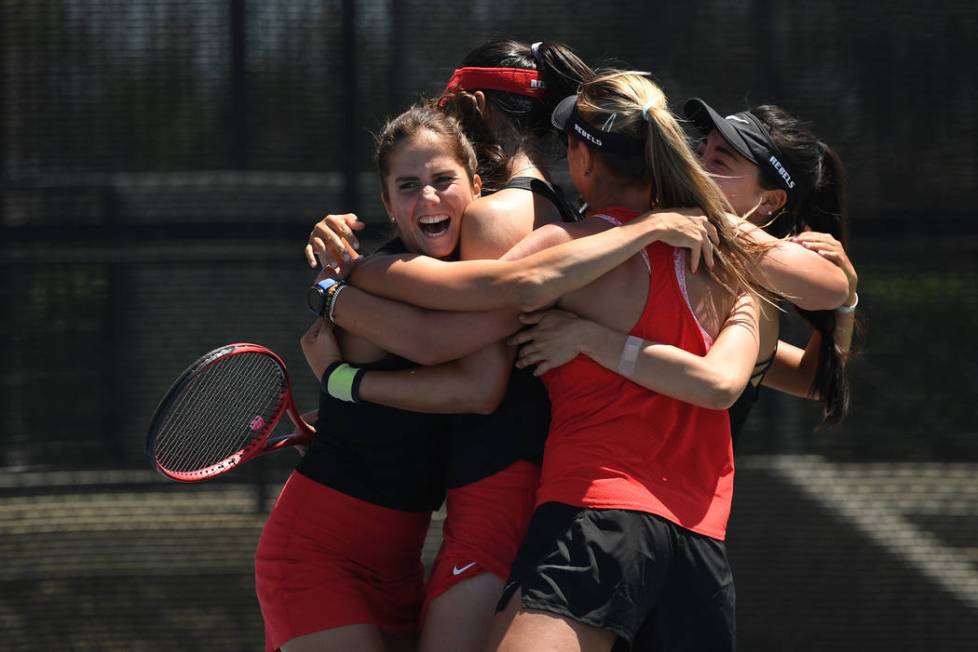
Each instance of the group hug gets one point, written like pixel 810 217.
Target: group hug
pixel 569 378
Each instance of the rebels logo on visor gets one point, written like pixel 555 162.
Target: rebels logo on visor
pixel 776 164
pixel 585 135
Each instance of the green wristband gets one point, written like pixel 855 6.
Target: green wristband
pixel 340 382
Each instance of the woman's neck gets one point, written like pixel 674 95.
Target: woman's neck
pixel 522 165
pixel 604 194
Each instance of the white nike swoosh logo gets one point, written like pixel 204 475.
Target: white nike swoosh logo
pixel 458 571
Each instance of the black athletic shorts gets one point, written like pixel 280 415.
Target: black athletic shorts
pixel 640 576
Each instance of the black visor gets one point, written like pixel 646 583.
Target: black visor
pixel 566 119
pixel 746 134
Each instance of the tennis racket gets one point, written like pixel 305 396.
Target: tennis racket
pixel 221 412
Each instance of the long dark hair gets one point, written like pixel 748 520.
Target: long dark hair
pixel 526 120
pixel 824 208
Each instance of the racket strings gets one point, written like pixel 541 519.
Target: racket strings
pixel 246 407
pixel 220 410
pixel 238 402
pixel 184 438
pixel 231 412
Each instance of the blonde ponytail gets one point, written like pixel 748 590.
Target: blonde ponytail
pixel 670 168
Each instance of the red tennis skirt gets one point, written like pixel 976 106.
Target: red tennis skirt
pixel 484 526
pixel 326 560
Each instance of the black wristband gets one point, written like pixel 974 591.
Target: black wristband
pixel 357 379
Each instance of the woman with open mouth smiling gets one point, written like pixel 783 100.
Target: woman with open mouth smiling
pixel 338 565
pixel 426 194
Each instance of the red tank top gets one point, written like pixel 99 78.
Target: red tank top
pixel 616 445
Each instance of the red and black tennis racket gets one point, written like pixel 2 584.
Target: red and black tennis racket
pixel 221 412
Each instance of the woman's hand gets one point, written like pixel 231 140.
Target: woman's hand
pixel 686 228
pixel 832 250
pixel 555 339
pixel 333 241
pixel 320 347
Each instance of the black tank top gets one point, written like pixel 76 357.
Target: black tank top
pixel 389 457
pixel 552 194
pixel 517 430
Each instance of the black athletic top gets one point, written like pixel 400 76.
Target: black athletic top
pixel 742 406
pixel 386 456
pixel 389 457
pixel 483 445
pixel 553 194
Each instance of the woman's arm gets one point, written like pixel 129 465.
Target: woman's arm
pixel 423 336
pixel 430 337
pixel 787 268
pixel 475 384
pixel 797 273
pixel 545 265
pixel 793 370
pixel 712 381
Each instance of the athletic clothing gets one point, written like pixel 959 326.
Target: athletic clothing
pixel 553 194
pixel 486 523
pixel 343 543
pixel 616 445
pixel 484 444
pixel 326 559
pixel 494 467
pixel 635 491
pixel 389 457
pixel 634 574
pixel 745 402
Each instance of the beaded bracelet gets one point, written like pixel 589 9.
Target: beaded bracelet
pixel 331 297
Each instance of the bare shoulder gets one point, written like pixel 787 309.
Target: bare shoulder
pixel 502 205
pixel 494 224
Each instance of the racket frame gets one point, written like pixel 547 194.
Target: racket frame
pixel 259 445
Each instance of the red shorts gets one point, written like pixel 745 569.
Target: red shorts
pixel 326 559
pixel 484 526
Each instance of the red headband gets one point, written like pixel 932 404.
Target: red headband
pixel 521 81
